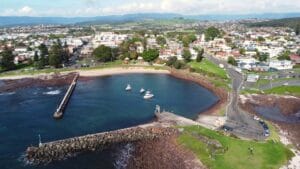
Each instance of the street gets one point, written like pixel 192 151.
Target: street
pixel 241 122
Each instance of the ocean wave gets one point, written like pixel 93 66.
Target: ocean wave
pixel 7 93
pixel 54 92
pixel 123 156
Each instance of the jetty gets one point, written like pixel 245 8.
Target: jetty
pixel 61 149
pixel 63 104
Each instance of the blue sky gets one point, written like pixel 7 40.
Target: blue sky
pixel 71 8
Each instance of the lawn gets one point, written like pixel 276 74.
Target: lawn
pixel 208 67
pixel 218 151
pixel 283 90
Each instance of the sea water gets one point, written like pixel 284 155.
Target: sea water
pixel 97 105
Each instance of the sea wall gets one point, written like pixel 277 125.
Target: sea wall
pixel 62 149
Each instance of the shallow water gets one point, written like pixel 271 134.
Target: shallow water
pixel 97 105
pixel 273 113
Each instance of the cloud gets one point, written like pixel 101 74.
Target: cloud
pixel 188 7
pixel 23 11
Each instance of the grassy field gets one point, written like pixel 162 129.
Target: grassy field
pixel 280 90
pixel 214 73
pixel 233 153
pixel 209 67
pixel 284 90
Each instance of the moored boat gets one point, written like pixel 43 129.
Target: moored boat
pixel 128 87
pixel 148 95
pixel 142 90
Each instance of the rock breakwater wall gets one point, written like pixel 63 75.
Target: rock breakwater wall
pixel 62 149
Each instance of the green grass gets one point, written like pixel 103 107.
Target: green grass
pixel 284 90
pixel 28 71
pixel 234 153
pixel 210 68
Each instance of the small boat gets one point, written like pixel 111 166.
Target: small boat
pixel 142 90
pixel 128 87
pixel 148 95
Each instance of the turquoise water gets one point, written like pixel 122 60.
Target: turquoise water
pixel 97 105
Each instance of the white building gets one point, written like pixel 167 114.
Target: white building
pixel 281 64
pixel 109 39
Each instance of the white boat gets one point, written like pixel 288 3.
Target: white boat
pixel 148 95
pixel 128 87
pixel 142 90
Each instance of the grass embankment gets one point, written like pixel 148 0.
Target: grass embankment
pixel 217 75
pixel 218 151
pixel 284 90
pixel 280 90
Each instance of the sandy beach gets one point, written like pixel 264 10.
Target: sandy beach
pixel 92 73
pixel 115 71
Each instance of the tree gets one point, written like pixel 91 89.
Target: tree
pixel 200 55
pixel 211 33
pixel 44 60
pixel 242 51
pixel 187 55
pixel 103 54
pixel 297 29
pixel 187 39
pixel 263 57
pixel 298 52
pixel 36 56
pixel 56 55
pixel 178 64
pixel 261 39
pixel 150 55
pixel 161 40
pixel 171 61
pixel 43 49
pixel 232 61
pixel 285 55
pixel 7 61
pixel 133 55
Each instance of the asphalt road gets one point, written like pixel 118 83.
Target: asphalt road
pixel 241 122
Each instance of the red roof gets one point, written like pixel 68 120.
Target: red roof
pixel 295 58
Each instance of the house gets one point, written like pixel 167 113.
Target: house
pixel 252 78
pixel 295 58
pixel 281 64
pixel 247 63
pixel 109 39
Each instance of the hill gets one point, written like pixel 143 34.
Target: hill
pixel 138 17
pixel 286 22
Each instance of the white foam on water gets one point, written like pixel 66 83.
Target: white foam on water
pixel 7 93
pixel 123 156
pixel 53 92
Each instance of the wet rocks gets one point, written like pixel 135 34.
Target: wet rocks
pixel 62 149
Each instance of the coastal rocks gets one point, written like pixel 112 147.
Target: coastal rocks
pixel 62 149
pixel 40 81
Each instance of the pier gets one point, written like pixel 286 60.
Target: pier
pixel 62 149
pixel 63 104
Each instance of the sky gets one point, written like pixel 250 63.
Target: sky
pixel 72 8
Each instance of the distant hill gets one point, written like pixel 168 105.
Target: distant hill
pixel 24 20
pixel 286 22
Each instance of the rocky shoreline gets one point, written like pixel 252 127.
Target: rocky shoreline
pixel 288 106
pixel 162 153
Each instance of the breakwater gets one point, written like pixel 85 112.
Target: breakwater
pixel 61 108
pixel 59 150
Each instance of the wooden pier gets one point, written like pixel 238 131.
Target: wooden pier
pixel 63 104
